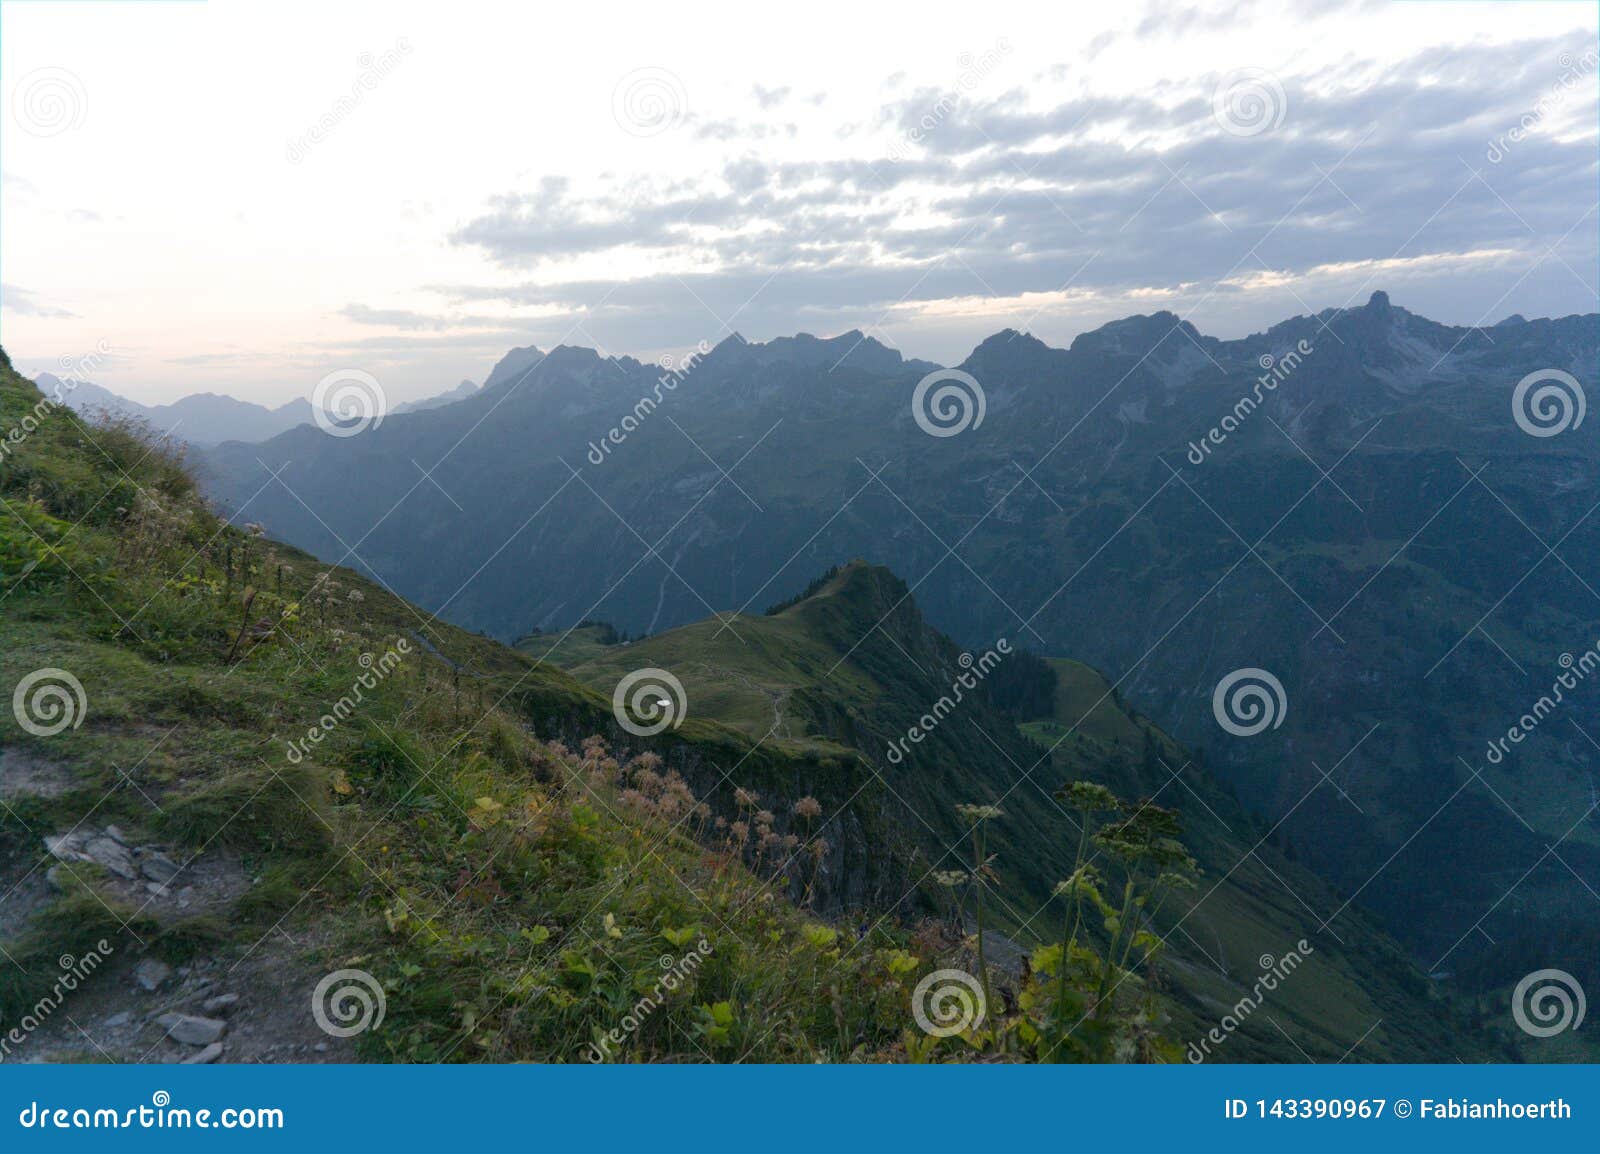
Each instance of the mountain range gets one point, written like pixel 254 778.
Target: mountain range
pixel 1350 501
pixel 210 418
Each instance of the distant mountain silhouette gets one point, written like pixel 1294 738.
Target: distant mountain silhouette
pixel 212 418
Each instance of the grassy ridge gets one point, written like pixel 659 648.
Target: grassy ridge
pixel 852 665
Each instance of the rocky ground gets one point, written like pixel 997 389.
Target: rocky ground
pixel 243 1005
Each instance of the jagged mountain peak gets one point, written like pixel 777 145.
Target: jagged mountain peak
pixel 853 349
pixel 1134 334
pixel 512 366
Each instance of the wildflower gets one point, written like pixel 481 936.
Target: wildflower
pixel 808 807
pixel 1087 797
pixel 977 813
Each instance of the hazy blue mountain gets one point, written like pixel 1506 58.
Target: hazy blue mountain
pixel 460 393
pixel 512 365
pixel 211 418
pixel 1409 602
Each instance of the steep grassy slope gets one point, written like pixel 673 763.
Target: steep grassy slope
pixel 231 775
pixel 338 782
pixel 853 666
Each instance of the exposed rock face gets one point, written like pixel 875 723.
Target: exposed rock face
pixel 111 849
pixel 113 855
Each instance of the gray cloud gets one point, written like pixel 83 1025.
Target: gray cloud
pixel 19 300
pixel 769 97
pixel 1364 167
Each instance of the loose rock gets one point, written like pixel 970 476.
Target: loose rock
pixel 221 1004
pixel 113 855
pixel 150 973
pixel 210 1054
pixel 157 866
pixel 190 1030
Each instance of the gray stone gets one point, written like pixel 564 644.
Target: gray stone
pixel 321 1047
pixel 150 973
pixel 116 835
pixel 113 855
pixel 116 1021
pixel 221 1004
pixel 157 866
pixel 185 896
pixel 66 846
pixel 205 1057
pixel 191 1030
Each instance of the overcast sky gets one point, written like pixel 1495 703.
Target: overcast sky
pixel 243 196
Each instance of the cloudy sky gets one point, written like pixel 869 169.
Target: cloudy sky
pixel 243 196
